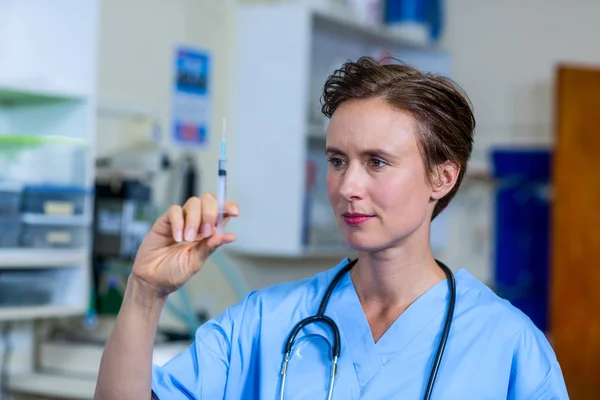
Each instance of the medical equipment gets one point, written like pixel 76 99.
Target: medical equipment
pixel 336 348
pixel 221 183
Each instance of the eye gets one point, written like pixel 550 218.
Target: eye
pixel 377 163
pixel 335 162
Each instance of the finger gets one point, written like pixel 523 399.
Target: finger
pixel 232 209
pixel 214 242
pixel 175 219
pixel 192 210
pixel 209 215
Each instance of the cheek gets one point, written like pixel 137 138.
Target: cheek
pixel 331 182
pixel 404 195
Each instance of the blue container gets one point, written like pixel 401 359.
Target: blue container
pixel 54 200
pixel 10 229
pixel 522 163
pixel 10 199
pixel 523 230
pixel 428 13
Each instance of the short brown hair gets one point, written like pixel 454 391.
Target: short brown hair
pixel 443 112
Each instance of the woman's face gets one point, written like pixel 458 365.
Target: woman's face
pixel 376 179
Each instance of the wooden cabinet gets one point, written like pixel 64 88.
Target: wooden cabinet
pixel 575 315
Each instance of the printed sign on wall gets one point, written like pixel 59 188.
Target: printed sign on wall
pixel 191 106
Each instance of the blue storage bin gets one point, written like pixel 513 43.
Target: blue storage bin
pixel 54 200
pixel 428 15
pixel 26 288
pixel 522 254
pixel 10 198
pixel 10 229
pixel 54 236
pixel 522 163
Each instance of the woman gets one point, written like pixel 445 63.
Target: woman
pixel 398 144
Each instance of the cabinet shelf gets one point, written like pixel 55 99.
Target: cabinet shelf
pixel 47 131
pixel 23 258
pixel 64 387
pixel 17 94
pixel 28 313
pixel 317 130
pixel 345 25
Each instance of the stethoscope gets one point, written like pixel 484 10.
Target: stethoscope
pixel 335 350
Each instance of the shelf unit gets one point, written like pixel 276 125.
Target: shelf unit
pixel 48 73
pixel 285 52
pixel 27 93
pixel 60 387
pixel 34 258
pixel 40 312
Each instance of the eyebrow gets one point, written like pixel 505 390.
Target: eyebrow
pixel 369 152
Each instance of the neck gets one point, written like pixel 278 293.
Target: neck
pixel 395 277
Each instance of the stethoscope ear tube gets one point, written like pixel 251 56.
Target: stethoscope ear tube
pixel 336 279
pixel 445 332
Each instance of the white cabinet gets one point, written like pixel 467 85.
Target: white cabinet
pixel 283 55
pixel 47 121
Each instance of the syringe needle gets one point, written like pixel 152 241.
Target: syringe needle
pixel 221 182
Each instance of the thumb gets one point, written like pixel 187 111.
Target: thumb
pixel 206 247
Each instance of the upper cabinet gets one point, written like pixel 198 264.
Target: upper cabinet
pixel 283 55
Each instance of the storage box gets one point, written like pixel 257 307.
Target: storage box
pixel 54 235
pixel 43 159
pixel 26 288
pixel 10 229
pixel 523 163
pixel 54 200
pixel 10 198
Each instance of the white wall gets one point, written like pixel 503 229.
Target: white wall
pixel 505 54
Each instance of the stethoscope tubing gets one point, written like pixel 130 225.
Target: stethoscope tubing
pixel 336 348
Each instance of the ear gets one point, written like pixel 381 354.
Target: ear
pixel 444 179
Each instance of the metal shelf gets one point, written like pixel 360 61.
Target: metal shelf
pixel 62 387
pixel 71 220
pixel 340 21
pixel 35 258
pixel 28 94
pixel 28 313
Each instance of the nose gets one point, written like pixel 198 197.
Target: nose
pixel 352 186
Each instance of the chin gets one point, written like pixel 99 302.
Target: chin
pixel 363 244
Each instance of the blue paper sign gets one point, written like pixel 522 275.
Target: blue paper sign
pixel 191 106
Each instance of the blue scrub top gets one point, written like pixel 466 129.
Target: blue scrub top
pixel 494 351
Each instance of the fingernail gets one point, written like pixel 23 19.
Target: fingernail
pixel 190 235
pixel 179 236
pixel 234 210
pixel 205 230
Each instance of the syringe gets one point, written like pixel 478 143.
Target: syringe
pixel 221 183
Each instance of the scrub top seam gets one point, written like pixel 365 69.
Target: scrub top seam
pixel 415 336
pixel 352 355
pixel 443 309
pixel 459 294
pixel 528 397
pixel 213 352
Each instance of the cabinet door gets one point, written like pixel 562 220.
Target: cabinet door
pixel 575 315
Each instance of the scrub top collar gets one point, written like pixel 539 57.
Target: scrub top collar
pixel 367 356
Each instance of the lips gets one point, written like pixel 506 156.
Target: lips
pixel 355 219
